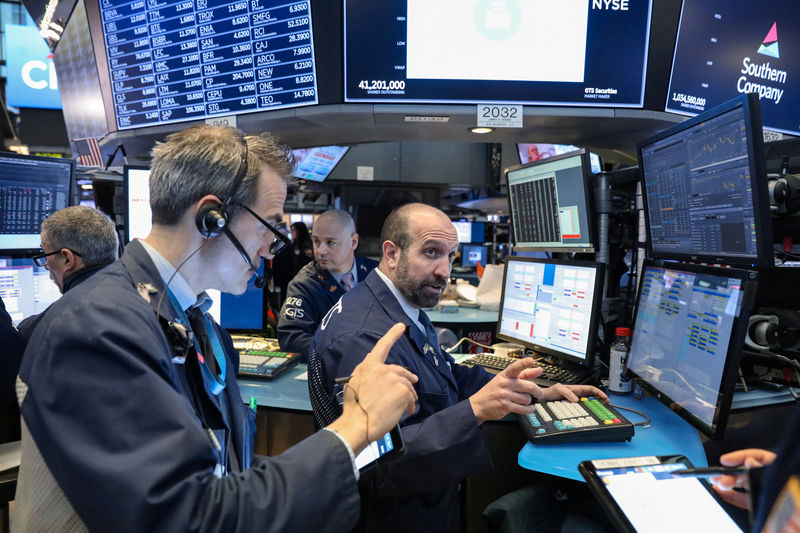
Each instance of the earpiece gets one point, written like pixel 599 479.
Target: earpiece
pixel 211 220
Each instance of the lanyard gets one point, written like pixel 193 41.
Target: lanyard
pixel 215 383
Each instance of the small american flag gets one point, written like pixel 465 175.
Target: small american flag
pixel 88 151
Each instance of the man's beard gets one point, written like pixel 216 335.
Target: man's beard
pixel 414 290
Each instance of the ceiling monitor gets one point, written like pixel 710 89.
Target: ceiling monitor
pixel 162 63
pixel 688 335
pixel 550 204
pixel 316 164
pixel 551 306
pixel 705 189
pixel 31 189
pixel 529 152
pixel 729 47
pixel 138 216
pixel 472 254
pixel 571 52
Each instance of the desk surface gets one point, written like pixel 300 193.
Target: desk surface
pixel 667 434
pixel 464 315
pixel 284 392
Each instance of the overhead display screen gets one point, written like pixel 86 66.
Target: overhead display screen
pixel 730 47
pixel 570 52
pixel 173 61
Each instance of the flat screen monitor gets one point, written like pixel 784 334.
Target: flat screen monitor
pixel 138 216
pixel 729 47
pixel 550 204
pixel 551 306
pixel 470 232
pixel 240 312
pixel 529 152
pixel 316 164
pixel 26 289
pixel 688 336
pixel 173 62
pixel 570 52
pixel 705 189
pixel 31 189
pixel 472 254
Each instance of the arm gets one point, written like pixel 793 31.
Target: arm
pixel 297 321
pixel 725 485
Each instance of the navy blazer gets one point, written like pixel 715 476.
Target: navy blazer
pixel 310 294
pixel 122 424
pixel 444 443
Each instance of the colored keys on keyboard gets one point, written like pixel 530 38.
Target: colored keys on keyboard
pixel 587 420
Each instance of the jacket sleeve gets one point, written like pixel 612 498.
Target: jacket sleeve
pixel 105 409
pixel 297 322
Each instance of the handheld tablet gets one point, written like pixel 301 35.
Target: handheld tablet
pixel 388 448
pixel 640 494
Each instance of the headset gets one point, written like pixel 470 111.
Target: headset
pixel 212 219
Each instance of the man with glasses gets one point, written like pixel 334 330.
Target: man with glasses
pixel 77 242
pixel 132 417
pixel 313 291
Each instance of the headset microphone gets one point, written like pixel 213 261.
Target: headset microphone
pixel 260 281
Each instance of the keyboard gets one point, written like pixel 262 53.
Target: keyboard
pixel 265 363
pixel 491 363
pixel 553 374
pixel 588 420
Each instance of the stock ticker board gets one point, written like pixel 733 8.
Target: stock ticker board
pixel 174 61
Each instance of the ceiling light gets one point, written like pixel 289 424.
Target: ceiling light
pixel 480 130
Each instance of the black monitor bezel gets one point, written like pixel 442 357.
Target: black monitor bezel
pixel 587 190
pixel 593 320
pixel 735 344
pixel 126 197
pixel 758 181
pixel 27 252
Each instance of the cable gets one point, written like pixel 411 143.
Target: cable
pixel 640 413
pixel 459 343
pixel 166 285
pixel 366 414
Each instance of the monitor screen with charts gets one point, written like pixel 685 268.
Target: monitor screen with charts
pixel 550 204
pixel 551 306
pixel 26 289
pixel 688 336
pixel 705 189
pixel 31 189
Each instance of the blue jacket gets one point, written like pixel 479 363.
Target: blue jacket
pixel 309 296
pixel 123 425
pixel 444 443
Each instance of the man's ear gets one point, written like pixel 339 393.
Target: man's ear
pixel 354 241
pixel 71 261
pixel 391 254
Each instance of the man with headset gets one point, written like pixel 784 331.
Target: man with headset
pixel 132 418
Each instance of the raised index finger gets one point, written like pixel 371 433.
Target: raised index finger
pixel 381 349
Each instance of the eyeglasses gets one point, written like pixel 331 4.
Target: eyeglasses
pixel 279 241
pixel 41 259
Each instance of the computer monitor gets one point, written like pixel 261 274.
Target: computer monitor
pixel 550 204
pixel 688 336
pixel 529 152
pixel 472 254
pixel 138 216
pixel 551 306
pixel 31 189
pixel 705 189
pixel 316 164
pixel 26 289
pixel 239 312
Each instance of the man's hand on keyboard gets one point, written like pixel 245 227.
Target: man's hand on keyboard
pixel 571 393
pixel 509 392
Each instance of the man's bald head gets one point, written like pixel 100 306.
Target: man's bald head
pixel 335 240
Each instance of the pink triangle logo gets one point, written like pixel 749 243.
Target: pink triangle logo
pixel 769 47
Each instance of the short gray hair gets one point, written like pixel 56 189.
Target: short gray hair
pixel 84 230
pixel 205 159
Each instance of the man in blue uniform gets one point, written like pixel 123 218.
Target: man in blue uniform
pixel 335 270
pixel 444 443
pixel 77 242
pixel 132 418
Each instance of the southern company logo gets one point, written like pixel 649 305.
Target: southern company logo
pixel 770 45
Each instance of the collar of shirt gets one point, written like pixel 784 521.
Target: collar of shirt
pixel 179 286
pixel 410 310
pixel 338 275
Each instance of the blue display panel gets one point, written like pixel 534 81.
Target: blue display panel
pixel 171 61
pixel 730 47
pixel 570 52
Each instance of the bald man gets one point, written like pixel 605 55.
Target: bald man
pixel 444 443
pixel 334 270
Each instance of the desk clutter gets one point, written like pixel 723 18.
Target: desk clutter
pixel 261 357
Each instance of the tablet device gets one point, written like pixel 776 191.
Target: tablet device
pixel 382 450
pixel 640 494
